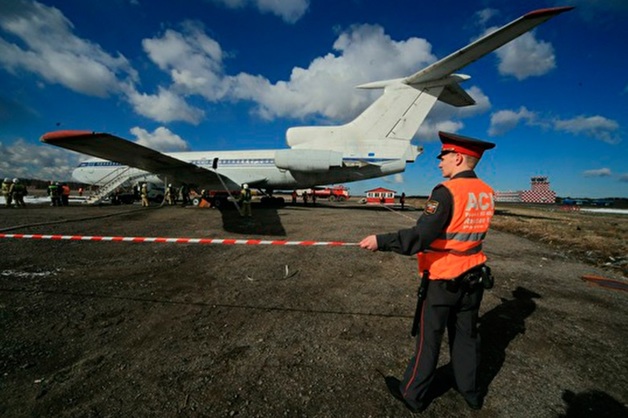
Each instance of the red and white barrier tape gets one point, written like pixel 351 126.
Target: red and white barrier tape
pixel 163 240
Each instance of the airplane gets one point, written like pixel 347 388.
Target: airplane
pixel 376 143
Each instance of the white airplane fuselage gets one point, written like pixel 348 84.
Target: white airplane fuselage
pixel 255 166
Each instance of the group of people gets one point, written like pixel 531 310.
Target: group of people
pixel 14 191
pixel 59 194
pixel 171 194
pixel 305 196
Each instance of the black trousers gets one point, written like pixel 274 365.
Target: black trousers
pixel 455 308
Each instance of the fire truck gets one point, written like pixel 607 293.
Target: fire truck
pixel 334 194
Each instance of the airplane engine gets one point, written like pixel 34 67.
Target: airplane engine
pixel 310 160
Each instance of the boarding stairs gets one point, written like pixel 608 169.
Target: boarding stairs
pixel 114 180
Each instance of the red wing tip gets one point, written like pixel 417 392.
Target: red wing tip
pixel 51 136
pixel 549 11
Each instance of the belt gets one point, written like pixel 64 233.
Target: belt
pixel 468 282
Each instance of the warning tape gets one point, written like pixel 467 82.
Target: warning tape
pixel 163 240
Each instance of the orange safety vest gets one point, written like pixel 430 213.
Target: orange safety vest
pixel 459 247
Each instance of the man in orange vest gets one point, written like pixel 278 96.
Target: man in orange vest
pixel 65 194
pixel 447 240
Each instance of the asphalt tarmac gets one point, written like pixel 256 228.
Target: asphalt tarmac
pixel 93 329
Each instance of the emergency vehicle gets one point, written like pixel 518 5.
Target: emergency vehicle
pixel 333 194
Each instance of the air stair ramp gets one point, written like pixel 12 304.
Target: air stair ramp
pixel 114 180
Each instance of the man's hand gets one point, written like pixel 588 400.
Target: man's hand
pixel 369 243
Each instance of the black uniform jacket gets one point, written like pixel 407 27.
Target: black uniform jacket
pixel 435 219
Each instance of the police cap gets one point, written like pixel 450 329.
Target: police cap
pixel 462 144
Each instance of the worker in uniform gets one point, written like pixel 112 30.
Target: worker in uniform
pixel 447 239
pixel 184 193
pixel 245 200
pixel 65 194
pixel 170 195
pixel 18 191
pixel 53 192
pixel 144 194
pixel 6 192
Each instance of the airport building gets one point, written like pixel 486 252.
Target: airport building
pixel 380 196
pixel 540 192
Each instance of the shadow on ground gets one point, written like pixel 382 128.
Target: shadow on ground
pixel 265 221
pixel 592 403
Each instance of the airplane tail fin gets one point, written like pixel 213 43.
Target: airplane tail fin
pixel 384 130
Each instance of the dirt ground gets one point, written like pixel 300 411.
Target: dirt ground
pixel 111 329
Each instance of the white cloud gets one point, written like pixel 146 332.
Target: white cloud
pixel 522 57
pixel 483 16
pixel 526 57
pixel 326 86
pixel 55 54
pixel 161 139
pixel 288 10
pixel 506 120
pixel 193 60
pixel 601 172
pixel 428 132
pixel 623 178
pixel 398 178
pixel 194 63
pixel 597 127
pixel 165 106
pixel 25 160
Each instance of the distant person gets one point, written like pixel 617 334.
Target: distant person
pixel 115 197
pixel 170 195
pixel 304 196
pixel 58 196
pixel 402 200
pixel 65 194
pixel 144 195
pixel 53 193
pixel 205 196
pixel 18 191
pixel 6 192
pixel 313 198
pixel 447 239
pixel 80 191
pixel 245 200
pixel 294 197
pixel 184 193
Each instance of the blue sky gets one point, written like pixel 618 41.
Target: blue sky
pixel 235 74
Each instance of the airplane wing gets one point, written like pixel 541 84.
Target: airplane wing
pixel 113 148
pixel 484 45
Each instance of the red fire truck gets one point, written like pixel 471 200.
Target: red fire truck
pixel 334 194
